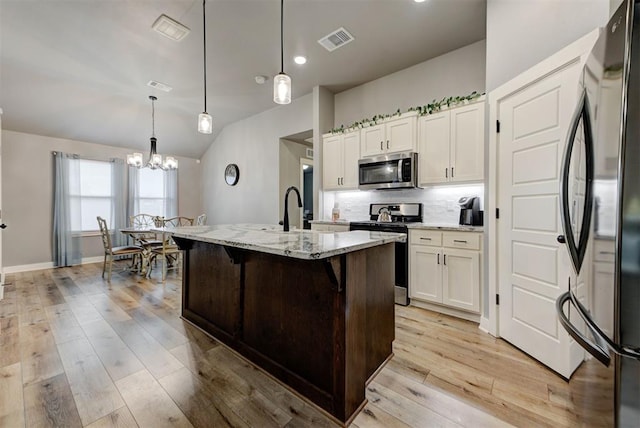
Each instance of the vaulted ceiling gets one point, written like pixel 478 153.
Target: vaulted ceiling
pixel 79 69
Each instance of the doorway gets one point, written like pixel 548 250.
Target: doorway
pixel 306 185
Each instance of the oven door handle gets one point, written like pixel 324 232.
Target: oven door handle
pixel 400 170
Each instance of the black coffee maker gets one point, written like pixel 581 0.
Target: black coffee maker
pixel 470 214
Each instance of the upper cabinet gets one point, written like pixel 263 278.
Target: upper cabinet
pixel 340 161
pixel 451 145
pixel 392 136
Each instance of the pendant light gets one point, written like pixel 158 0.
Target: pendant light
pixel 205 121
pixel 282 82
pixel 155 160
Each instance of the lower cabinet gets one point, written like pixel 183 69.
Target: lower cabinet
pixel 323 227
pixel 444 268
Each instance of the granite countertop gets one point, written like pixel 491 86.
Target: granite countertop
pixel 301 244
pixel 341 221
pixel 445 227
pixel 427 226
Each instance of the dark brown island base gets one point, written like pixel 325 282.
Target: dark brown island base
pixel 322 326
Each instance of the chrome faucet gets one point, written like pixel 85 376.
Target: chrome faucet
pixel 286 210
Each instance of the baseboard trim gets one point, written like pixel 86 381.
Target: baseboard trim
pixel 46 265
pixel 469 316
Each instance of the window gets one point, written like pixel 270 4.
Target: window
pixel 90 194
pixel 154 195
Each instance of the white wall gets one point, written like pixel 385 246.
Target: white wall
pixel 455 73
pixel 253 144
pixel 521 33
pixel 27 194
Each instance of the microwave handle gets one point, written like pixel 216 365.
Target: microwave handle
pixel 400 170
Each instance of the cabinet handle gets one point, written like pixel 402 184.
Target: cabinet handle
pixel 445 259
pixel 426 239
pixel 342 181
pixel 607 252
pixel 381 146
pixel 446 173
pixel 438 258
pixel 338 181
pixel 387 144
pixel 460 241
pixel 451 172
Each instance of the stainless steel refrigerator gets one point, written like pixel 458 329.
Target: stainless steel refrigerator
pixel 600 211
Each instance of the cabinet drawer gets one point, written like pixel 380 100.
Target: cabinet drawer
pixel 467 240
pixel 604 250
pixel 425 237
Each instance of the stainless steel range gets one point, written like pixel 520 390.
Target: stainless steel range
pixel 394 218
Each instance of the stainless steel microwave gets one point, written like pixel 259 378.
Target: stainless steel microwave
pixel 395 171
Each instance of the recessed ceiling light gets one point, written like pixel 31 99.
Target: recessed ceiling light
pixel 419 1
pixel 300 60
pixel 260 79
pixel 159 85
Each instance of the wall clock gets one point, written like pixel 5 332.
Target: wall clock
pixel 231 174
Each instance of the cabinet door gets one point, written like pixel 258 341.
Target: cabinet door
pixel 425 271
pixel 351 154
pixel 467 143
pixel 461 279
pixel 434 131
pixel 401 135
pixel 372 141
pixel 332 164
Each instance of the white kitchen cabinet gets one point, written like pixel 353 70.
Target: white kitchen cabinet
pixel 392 136
pixel 340 161
pixel 323 227
pixel 451 145
pixel 444 268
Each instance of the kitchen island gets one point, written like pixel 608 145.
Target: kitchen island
pixel 314 310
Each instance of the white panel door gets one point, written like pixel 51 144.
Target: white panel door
pixel 1 270
pixel 372 140
pixel 332 162
pixel 461 279
pixel 434 134
pixel 533 267
pixel 426 273
pixel 351 154
pixel 467 143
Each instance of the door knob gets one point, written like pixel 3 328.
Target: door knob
pixel 561 239
pixel 3 226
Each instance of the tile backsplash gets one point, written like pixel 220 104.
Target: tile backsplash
pixel 440 204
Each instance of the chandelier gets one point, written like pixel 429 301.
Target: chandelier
pixel 155 160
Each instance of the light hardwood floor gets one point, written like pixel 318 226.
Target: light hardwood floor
pixel 76 351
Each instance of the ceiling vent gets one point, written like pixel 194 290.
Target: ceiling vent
pixel 338 38
pixel 170 28
pixel 158 85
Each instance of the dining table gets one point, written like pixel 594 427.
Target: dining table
pixel 145 237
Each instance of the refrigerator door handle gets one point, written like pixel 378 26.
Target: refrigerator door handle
pixel 598 350
pixel 597 332
pixel 577 250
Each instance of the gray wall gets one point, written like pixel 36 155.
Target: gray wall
pixel 455 73
pixel 27 194
pixel 521 33
pixel 253 144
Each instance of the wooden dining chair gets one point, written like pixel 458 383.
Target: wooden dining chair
pixel 110 251
pixel 146 221
pixel 168 251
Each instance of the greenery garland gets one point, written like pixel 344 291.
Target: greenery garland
pixel 433 107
